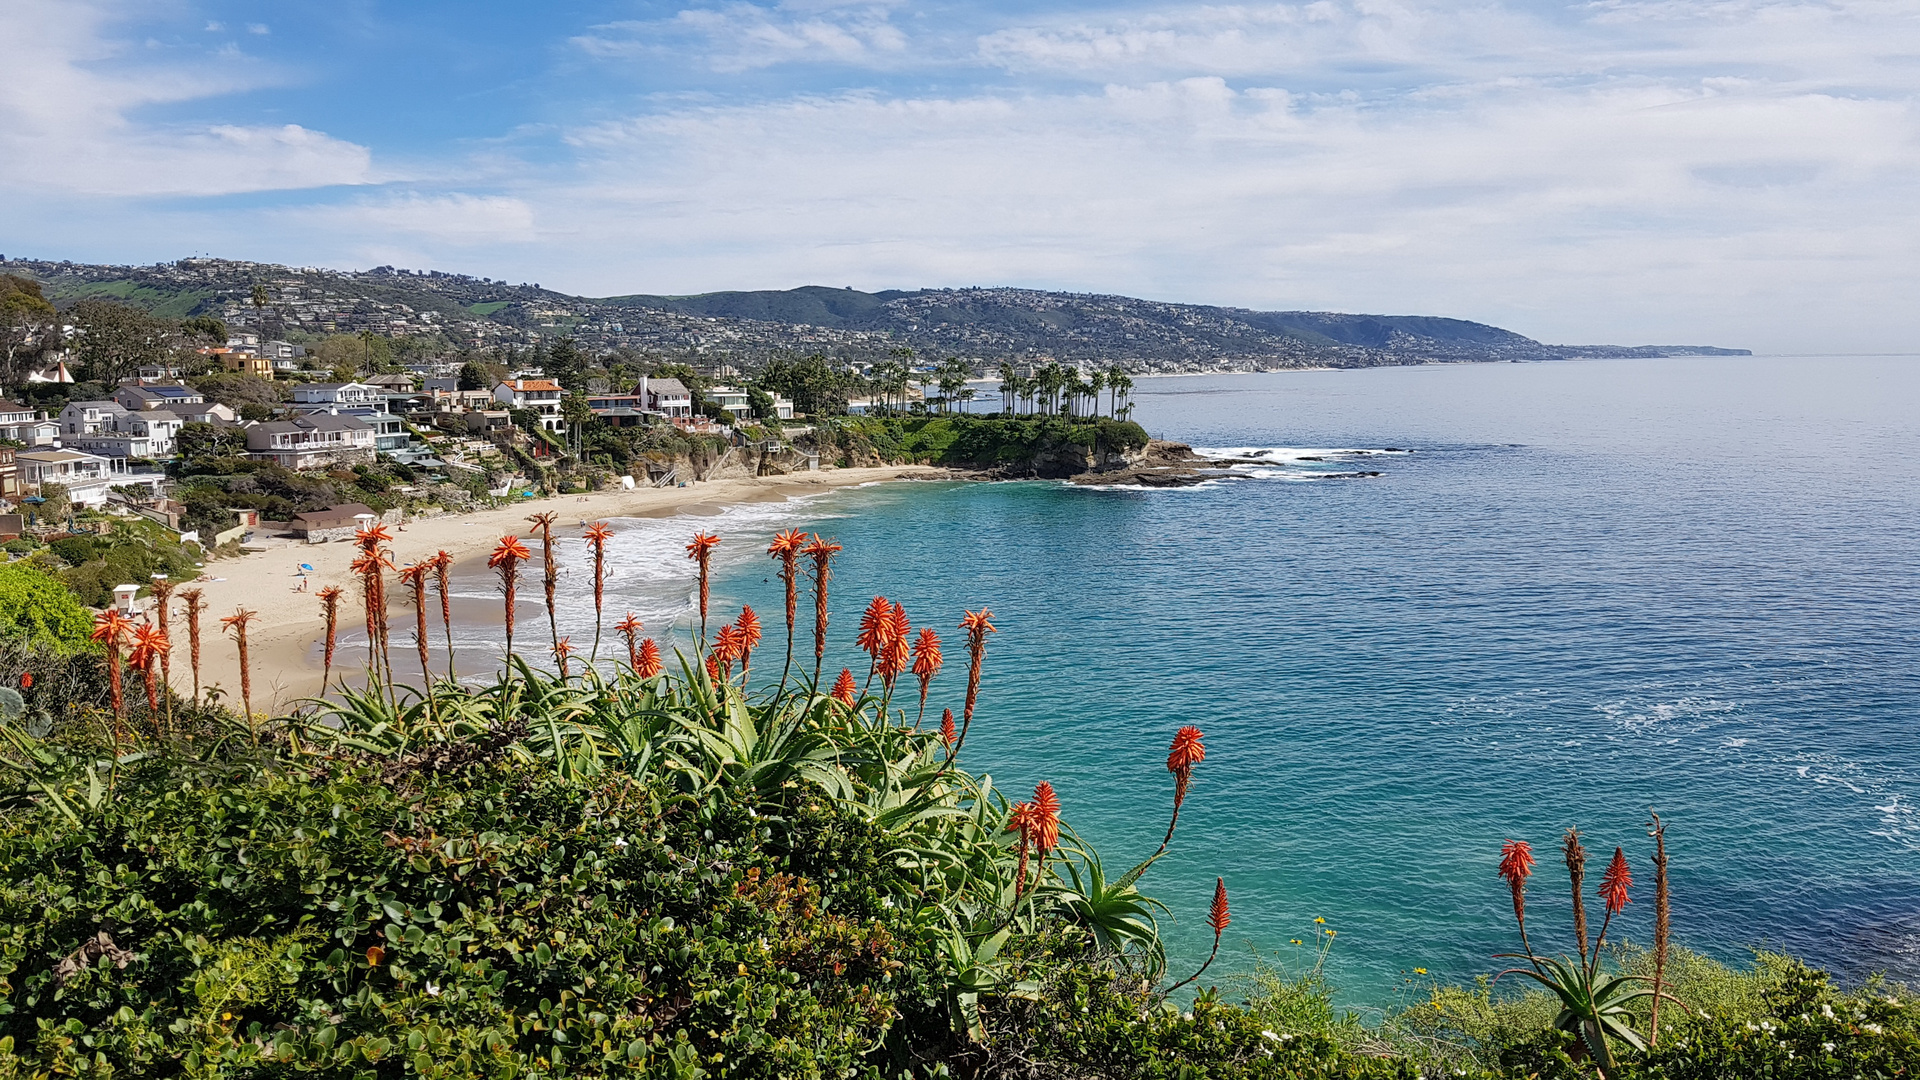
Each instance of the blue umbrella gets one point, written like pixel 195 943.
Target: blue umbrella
pixel 304 566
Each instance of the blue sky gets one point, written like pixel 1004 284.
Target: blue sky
pixel 1738 172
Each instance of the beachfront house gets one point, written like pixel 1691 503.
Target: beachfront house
pixel 733 400
pixel 89 478
pixel 668 397
pixel 617 410
pixel 538 396
pixel 312 441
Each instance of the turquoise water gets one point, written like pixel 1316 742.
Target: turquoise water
pixel 1588 589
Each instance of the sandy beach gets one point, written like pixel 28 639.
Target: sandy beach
pixel 289 622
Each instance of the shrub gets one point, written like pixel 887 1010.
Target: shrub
pixel 39 609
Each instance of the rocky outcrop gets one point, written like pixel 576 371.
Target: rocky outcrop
pixel 1159 464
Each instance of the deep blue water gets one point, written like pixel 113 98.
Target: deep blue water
pixel 1589 589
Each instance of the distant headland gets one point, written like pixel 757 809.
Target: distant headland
pixel 986 326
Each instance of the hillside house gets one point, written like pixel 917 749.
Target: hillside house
pixel 110 429
pixel 27 426
pixel 318 439
pixel 538 396
pixel 324 397
pixel 141 397
pixel 89 478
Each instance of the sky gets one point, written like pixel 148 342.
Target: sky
pixel 1732 172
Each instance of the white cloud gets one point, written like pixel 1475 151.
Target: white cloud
pixel 740 36
pixel 68 107
pixel 428 221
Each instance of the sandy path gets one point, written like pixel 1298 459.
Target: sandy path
pixel 289 622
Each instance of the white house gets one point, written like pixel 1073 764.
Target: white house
pixel 316 439
pixel 324 397
pixel 89 478
pixel 26 426
pixel 110 429
pixel 540 396
pixel 668 397
pixel 733 400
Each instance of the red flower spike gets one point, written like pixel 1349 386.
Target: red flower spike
pixel 1614 883
pixel 1217 918
pixel 1046 818
pixel 1516 862
pixel 26 680
pixel 926 655
pixel 948 733
pixel 876 626
pixel 649 664
pixel 843 688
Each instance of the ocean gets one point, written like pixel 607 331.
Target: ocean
pixel 1575 592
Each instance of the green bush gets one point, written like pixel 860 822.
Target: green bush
pixel 39 609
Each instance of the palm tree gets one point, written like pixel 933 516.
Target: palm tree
pixel 1009 390
pixel 1096 382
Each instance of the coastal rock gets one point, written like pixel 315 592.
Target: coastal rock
pixel 1159 464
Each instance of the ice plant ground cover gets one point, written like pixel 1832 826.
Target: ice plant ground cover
pixel 646 869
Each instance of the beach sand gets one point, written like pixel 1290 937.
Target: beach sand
pixel 282 636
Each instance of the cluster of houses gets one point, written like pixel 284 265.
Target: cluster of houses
pixel 91 446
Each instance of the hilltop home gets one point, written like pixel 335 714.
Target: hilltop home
pixel 89 478
pixel 9 476
pixel 539 396
pixel 668 397
pixel 305 442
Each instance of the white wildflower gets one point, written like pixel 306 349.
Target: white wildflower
pixel 1826 1011
pixel 1871 1029
pixel 433 989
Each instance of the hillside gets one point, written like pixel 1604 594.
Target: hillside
pixel 986 325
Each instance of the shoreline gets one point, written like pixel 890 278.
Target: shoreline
pixel 289 622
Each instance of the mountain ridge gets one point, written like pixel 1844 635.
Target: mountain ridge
pixel 987 325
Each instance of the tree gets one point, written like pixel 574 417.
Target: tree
pixel 475 375
pixel 205 328
pixel 565 364
pixel 28 323
pixel 198 443
pixel 347 354
pixel 815 388
pixel 761 403
pixel 114 339
pixel 56 505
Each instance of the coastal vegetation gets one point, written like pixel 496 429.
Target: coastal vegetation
pixel 665 866
pixel 1025 443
